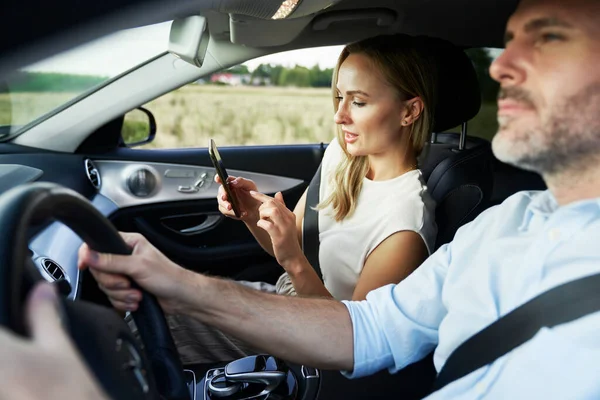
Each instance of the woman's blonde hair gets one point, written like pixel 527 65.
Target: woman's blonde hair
pixel 409 68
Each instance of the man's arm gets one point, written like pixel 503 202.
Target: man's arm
pixel 315 332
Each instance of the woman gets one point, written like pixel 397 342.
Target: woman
pixel 375 215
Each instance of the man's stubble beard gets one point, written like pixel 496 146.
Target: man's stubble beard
pixel 568 138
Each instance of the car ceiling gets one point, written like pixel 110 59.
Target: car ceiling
pixel 29 36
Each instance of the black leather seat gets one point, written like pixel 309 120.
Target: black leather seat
pixel 458 170
pixel 459 180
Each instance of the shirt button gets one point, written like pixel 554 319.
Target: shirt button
pixel 554 234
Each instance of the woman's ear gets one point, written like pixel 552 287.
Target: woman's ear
pixel 414 109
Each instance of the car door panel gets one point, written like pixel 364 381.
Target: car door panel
pixel 173 220
pixel 187 227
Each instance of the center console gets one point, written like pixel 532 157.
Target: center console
pixel 258 377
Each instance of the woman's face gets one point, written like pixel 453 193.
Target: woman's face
pixel 370 111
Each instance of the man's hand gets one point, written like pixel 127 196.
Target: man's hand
pixel 146 265
pixel 46 366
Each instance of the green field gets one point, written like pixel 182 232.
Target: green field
pixel 188 117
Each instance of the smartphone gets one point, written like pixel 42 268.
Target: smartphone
pixel 222 172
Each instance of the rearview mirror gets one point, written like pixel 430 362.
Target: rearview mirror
pixel 189 38
pixel 139 127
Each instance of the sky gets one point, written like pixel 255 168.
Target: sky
pixel 102 57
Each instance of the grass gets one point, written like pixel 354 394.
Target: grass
pixel 22 108
pixel 189 116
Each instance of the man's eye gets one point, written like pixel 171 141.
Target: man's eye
pixel 551 37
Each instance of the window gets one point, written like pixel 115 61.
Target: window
pixel 37 91
pixel 283 98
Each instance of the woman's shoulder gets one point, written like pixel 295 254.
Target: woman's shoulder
pixel 404 197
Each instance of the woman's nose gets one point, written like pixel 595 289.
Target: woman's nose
pixel 341 116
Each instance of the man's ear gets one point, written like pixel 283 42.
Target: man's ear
pixel 414 109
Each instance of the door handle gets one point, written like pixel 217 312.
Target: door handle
pixel 181 223
pixel 210 222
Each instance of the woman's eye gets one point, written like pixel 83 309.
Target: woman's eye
pixel 339 98
pixel 358 104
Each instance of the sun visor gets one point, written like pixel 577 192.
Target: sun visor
pixel 189 38
pixel 258 32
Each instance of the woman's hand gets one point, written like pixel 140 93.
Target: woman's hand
pixel 248 207
pixel 147 266
pixel 280 223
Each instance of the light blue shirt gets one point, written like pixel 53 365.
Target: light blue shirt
pixel 508 255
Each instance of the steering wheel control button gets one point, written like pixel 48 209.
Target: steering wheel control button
pixel 142 182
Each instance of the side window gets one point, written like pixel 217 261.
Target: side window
pixel 262 102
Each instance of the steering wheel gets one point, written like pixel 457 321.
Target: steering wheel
pixel 103 338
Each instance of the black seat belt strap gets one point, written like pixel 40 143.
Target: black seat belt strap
pixel 310 226
pixel 556 306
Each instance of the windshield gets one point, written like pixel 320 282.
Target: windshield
pixel 36 91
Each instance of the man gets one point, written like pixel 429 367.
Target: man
pixel 548 105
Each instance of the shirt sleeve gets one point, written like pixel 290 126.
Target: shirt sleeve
pixel 398 324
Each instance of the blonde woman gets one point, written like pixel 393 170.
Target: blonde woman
pixel 376 219
pixel 375 215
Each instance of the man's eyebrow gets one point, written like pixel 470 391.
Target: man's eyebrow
pixel 548 22
pixel 537 24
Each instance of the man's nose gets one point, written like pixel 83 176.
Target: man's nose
pixel 510 68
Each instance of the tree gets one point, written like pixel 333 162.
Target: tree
pixel 319 77
pixel 240 69
pixel 297 76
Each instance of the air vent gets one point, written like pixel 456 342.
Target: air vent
pixel 92 173
pixel 53 270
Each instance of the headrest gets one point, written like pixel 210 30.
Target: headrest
pixel 458 93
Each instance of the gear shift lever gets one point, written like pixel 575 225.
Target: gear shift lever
pixel 256 369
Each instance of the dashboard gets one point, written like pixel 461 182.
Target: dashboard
pixel 113 186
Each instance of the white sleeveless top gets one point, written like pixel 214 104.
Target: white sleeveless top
pixel 383 208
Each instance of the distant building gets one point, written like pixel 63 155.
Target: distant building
pixel 228 78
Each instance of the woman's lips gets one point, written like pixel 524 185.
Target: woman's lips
pixel 350 137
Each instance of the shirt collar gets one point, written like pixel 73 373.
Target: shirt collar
pixel 542 205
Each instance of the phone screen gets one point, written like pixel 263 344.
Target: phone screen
pixel 222 172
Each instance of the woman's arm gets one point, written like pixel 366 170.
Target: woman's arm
pixel 285 230
pixel 393 260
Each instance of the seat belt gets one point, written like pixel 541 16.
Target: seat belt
pixel 556 306
pixel 310 225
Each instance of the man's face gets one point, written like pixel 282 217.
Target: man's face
pixel 549 102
